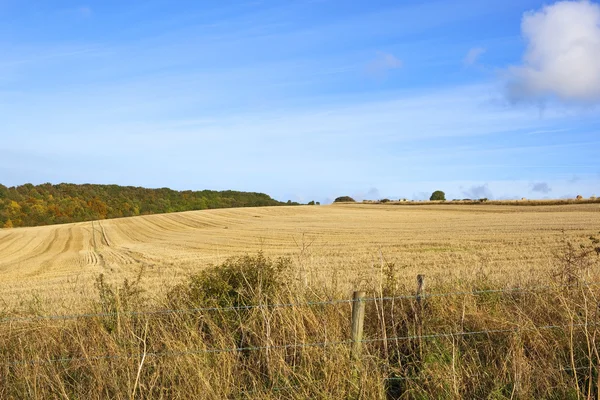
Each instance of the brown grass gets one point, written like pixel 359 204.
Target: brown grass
pixel 337 245
pixel 539 344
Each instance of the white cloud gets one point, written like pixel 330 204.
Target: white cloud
pixel 383 63
pixel 473 55
pixel 562 57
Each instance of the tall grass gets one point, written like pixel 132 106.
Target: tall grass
pixel 482 340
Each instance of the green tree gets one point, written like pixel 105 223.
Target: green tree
pixel 438 195
pixel 29 205
pixel 344 199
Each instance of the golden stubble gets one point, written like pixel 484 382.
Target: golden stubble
pixel 338 245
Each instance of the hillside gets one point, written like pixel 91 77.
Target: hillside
pixel 332 243
pixel 135 300
pixel 48 204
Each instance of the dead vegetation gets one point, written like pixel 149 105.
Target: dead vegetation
pixel 247 329
pixel 511 306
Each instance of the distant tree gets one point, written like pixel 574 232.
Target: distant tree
pixel 318 203
pixel 311 203
pixel 438 195
pixel 29 205
pixel 344 199
pixel 384 200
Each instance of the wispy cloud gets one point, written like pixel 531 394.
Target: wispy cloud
pixel 478 192
pixel 283 94
pixel 382 64
pixel 371 194
pixel 541 187
pixel 562 58
pixel 473 55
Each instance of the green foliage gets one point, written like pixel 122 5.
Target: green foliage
pixel 344 199
pixel 239 281
pixel 438 195
pixel 384 200
pixel 311 203
pixel 46 204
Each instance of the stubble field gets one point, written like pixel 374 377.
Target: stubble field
pixel 509 312
pixel 339 246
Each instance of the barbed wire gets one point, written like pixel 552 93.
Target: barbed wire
pixel 285 305
pixel 295 345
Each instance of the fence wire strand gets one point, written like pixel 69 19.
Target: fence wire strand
pixel 294 345
pixel 284 305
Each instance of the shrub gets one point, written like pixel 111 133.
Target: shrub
pixel 311 203
pixel 239 281
pixel 344 199
pixel 384 200
pixel 438 195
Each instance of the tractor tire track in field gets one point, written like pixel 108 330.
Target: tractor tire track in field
pixel 93 257
pixel 68 242
pixel 111 254
pixel 17 250
pixel 103 232
pixel 45 247
pixel 49 257
pixel 185 221
pixel 8 242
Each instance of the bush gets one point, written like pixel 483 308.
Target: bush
pixel 239 281
pixel 384 200
pixel 438 195
pixel 344 199
pixel 311 203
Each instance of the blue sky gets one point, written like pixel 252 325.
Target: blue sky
pixel 304 99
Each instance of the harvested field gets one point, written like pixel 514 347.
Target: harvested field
pixel 336 245
pixel 494 321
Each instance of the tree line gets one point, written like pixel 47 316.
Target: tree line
pixel 29 205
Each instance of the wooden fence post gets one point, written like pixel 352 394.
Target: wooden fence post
pixel 358 320
pixel 419 310
pixel 420 289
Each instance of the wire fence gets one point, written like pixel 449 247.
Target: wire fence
pixel 299 345
pixel 388 377
pixel 533 289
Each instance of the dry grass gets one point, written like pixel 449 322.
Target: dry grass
pixel 337 245
pixel 538 344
